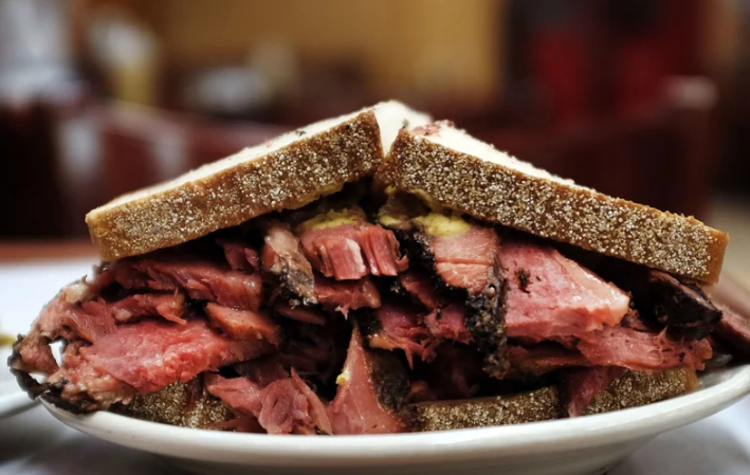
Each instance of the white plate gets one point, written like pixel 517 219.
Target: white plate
pixel 12 401
pixel 585 445
pixel 24 289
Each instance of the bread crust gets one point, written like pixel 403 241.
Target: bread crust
pixel 286 178
pixel 634 389
pixel 553 209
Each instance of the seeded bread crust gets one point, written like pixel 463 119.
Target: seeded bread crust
pixel 285 178
pixel 498 188
pixel 533 406
pixel 632 389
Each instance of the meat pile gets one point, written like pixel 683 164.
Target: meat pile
pixel 332 324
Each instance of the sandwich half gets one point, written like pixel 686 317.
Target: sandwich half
pixel 380 273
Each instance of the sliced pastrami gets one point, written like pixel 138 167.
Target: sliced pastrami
pixel 550 296
pixel 463 257
pixel 282 257
pixel 642 351
pixel 284 406
pixel 342 296
pixel 734 329
pixel 240 256
pixel 371 389
pixel 344 246
pixel 199 279
pixel 244 324
pixel 398 325
pixel 168 306
pixel 301 314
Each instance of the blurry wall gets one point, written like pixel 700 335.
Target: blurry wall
pixel 430 46
pixel 617 94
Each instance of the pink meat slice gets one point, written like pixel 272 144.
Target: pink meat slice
pixel 466 261
pixel 401 328
pixel 244 324
pixel 199 279
pixel 422 288
pixel 82 379
pixel 343 296
pixel 551 296
pixel 169 306
pixel 446 320
pixel 352 251
pixel 356 409
pixel 240 256
pixel 59 319
pixel 301 314
pixel 449 323
pixel 284 406
pixel 241 394
pixel 642 351
pixel 151 355
pixel 71 322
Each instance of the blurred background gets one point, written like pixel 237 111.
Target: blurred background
pixel 644 99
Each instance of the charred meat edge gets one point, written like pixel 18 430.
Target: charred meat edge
pixel 486 311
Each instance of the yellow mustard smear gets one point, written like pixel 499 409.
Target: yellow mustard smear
pixel 388 220
pixel 332 218
pixel 437 224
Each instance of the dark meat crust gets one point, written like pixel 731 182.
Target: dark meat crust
pixel 683 308
pixel 734 329
pixel 486 323
pixel 290 270
pixel 52 393
pixel 49 392
pixel 390 378
pixel 30 385
pixel 486 316
pixel 295 286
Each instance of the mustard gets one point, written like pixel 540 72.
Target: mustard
pixel 439 225
pixel 331 219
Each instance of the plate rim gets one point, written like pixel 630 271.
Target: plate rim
pixel 15 403
pixel 548 436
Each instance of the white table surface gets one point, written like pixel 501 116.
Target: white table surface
pixel 34 443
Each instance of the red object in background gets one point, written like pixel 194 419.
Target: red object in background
pixel 558 61
pixel 29 190
pixel 603 57
pixel 557 58
pixel 664 41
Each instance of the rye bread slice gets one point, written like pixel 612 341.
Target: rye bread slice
pixel 447 167
pixel 286 172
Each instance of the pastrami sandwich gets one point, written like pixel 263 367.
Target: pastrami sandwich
pixel 379 273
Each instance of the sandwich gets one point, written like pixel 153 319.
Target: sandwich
pixel 380 273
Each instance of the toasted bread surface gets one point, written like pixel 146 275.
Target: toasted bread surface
pixel 632 389
pixel 176 405
pixel 449 168
pixel 287 172
pixel 540 405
